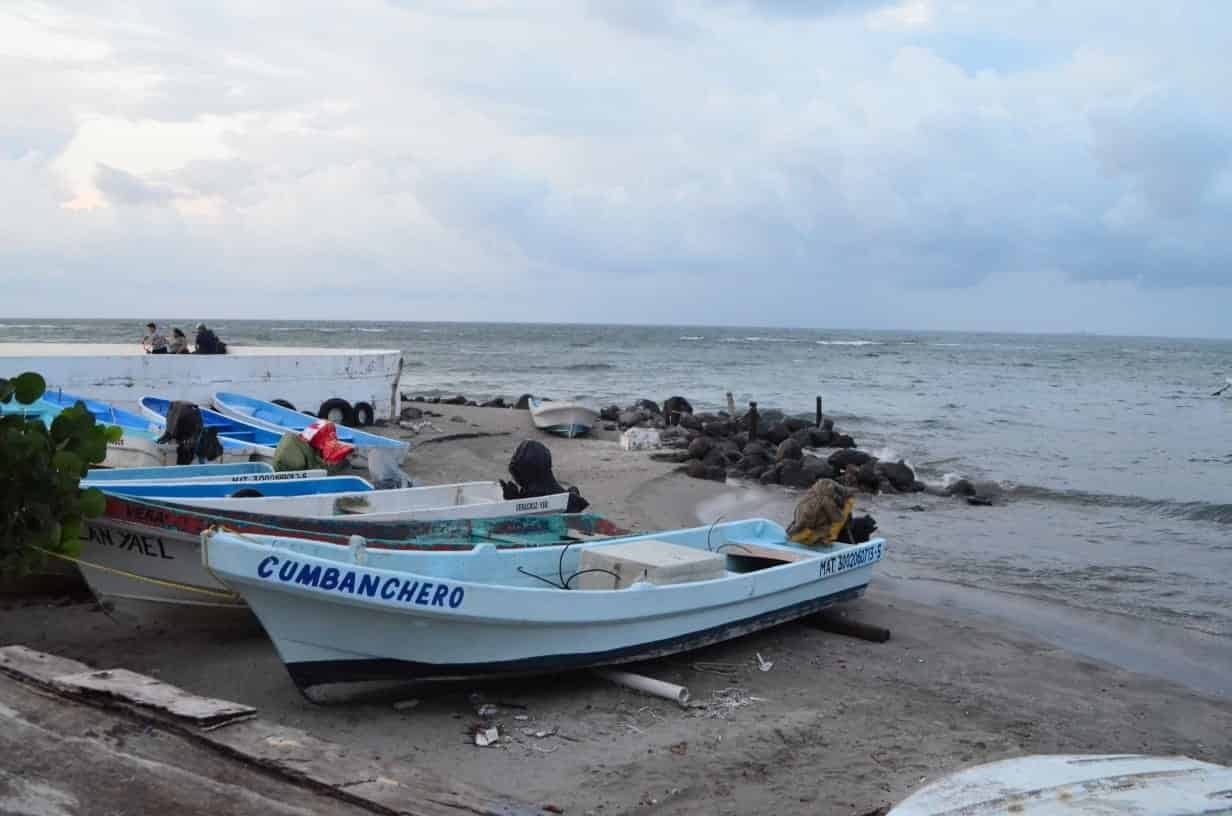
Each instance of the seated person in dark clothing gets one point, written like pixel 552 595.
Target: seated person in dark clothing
pixel 208 342
pixel 179 343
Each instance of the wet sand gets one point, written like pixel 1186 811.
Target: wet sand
pixel 835 726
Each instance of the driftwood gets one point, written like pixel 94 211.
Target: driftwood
pixel 841 625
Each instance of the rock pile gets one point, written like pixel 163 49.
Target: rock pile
pixel 781 451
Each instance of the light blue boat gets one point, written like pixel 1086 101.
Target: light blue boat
pixel 261 440
pixel 356 613
pixel 282 420
pixel 250 473
pixel 40 409
pixel 213 490
pixel 177 473
pixel 137 445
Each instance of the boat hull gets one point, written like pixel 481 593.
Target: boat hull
pixel 327 631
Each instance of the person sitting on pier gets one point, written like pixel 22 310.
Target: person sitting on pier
pixel 208 342
pixel 153 342
pixel 179 343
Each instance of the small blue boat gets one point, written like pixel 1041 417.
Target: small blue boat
pixel 40 409
pixel 262 440
pixel 212 490
pixel 178 473
pixel 282 420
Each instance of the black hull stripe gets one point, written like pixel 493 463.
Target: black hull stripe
pixel 321 672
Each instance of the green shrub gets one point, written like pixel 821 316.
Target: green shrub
pixel 41 502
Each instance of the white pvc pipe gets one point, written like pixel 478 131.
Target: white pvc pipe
pixel 657 688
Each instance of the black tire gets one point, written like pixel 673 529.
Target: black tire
pixel 247 493
pixel 343 413
pixel 364 415
pixel 284 404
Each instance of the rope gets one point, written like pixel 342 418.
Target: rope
pixel 213 593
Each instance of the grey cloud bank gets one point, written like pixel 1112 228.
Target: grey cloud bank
pixel 925 164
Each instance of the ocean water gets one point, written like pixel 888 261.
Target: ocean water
pixel 1117 459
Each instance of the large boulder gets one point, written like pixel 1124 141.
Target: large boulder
pixel 868 478
pixel 499 402
pixel 690 421
pixel 840 459
pixel 819 438
pixel 827 423
pixel 630 418
pixel 770 476
pixel 458 400
pixel 700 446
pixel 696 468
pixel 804 436
pixel 716 473
pixel 523 402
pixel 767 417
pixel 719 428
pixel 674 437
pixel 610 413
pixel 789 449
pixel 646 405
pixel 795 424
pixel 676 407
pixel 791 473
pixel 775 433
pixel 816 468
pixel 757 448
pixel 899 474
pixel 960 487
pixel 715 458
pixel 842 441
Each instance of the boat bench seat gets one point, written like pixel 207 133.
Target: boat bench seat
pixel 755 546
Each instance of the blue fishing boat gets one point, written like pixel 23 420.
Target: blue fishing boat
pixel 40 410
pixel 249 473
pixel 178 473
pixel 343 614
pixel 282 420
pixel 261 440
pixel 138 447
pixel 208 490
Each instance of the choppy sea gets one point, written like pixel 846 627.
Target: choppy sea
pixel 1116 456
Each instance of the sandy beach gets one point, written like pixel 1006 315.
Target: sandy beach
pixel 836 725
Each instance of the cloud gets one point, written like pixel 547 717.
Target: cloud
pixel 125 188
pixel 744 159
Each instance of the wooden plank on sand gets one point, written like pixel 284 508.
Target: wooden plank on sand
pixel 140 690
pixel 354 775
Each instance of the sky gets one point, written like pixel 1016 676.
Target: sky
pixel 1023 165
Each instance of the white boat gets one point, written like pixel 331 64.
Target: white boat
pixel 430 503
pixel 358 384
pixel 346 614
pixel 1052 785
pixel 142 555
pixel 563 417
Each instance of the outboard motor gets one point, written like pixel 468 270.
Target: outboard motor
pixel 184 426
pixel 531 469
